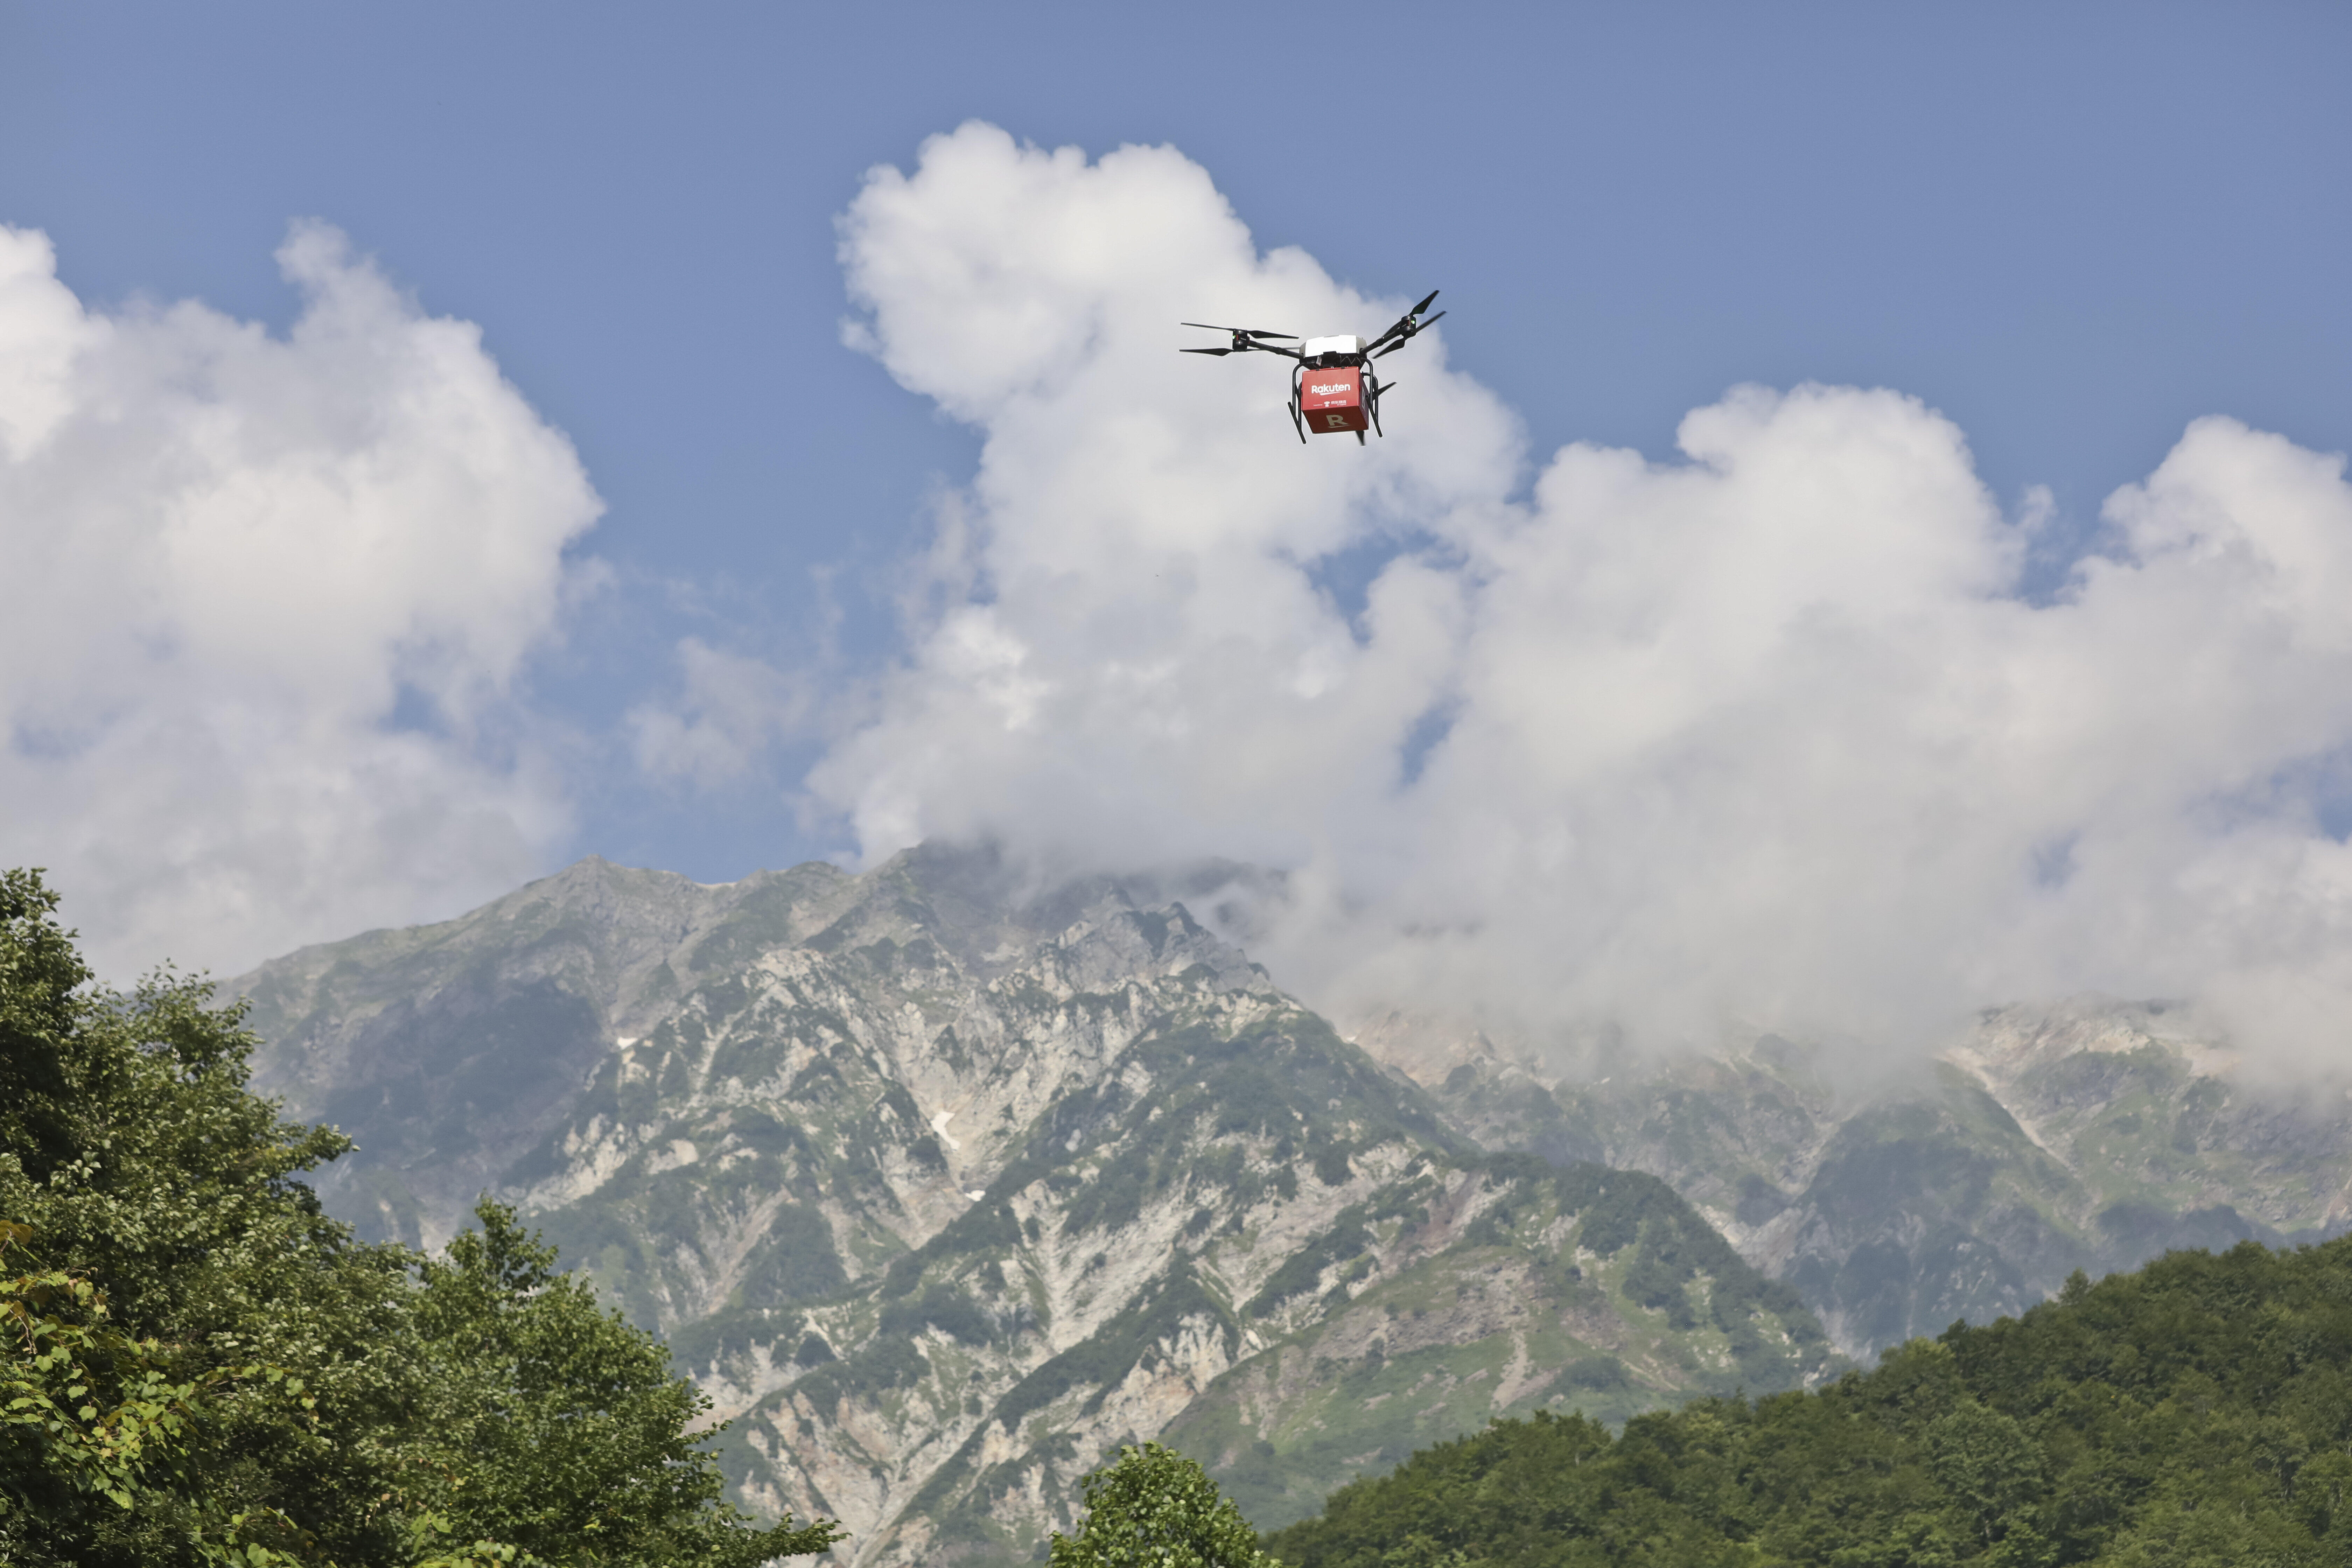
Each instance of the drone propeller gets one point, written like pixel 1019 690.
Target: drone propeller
pixel 1407 337
pixel 1407 324
pixel 1241 332
pixel 1219 352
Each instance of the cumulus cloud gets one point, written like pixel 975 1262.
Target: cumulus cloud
pixel 1763 736
pixel 269 599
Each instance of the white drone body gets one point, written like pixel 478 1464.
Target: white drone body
pixel 1316 348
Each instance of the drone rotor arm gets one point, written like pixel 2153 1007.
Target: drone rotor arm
pixel 1407 337
pixel 1405 340
pixel 1406 324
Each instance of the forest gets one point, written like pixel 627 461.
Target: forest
pixel 201 1367
pixel 2193 1414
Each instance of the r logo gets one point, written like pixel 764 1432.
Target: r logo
pixel 1335 422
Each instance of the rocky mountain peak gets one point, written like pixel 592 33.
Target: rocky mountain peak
pixel 944 1181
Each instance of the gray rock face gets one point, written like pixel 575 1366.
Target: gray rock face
pixel 450 1050
pixel 2091 1134
pixel 943 1187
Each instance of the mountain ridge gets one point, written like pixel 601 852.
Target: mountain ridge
pixel 942 1184
pixel 2091 1133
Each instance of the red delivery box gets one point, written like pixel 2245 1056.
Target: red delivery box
pixel 1333 399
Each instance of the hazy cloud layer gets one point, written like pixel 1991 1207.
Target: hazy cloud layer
pixel 1764 736
pixel 268 599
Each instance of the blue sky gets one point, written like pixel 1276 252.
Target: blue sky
pixel 2069 229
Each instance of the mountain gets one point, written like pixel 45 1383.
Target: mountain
pixel 2092 1134
pixel 1514 1296
pixel 943 1186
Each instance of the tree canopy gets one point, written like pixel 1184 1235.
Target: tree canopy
pixel 2196 1414
pixel 1153 1508
pixel 202 1366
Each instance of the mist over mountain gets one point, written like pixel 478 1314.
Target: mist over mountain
pixel 2092 1134
pixel 1785 723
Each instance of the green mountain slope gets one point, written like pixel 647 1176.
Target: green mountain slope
pixel 943 1187
pixel 2194 1414
pixel 1585 1290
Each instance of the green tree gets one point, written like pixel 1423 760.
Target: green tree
pixel 85 1410
pixel 200 1364
pixel 1153 1508
pixel 561 1428
pixel 135 1162
pixel 1987 1464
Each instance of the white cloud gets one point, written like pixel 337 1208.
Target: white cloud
pixel 1762 736
pixel 234 561
pixel 730 710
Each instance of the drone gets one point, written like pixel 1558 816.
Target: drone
pixel 1333 389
